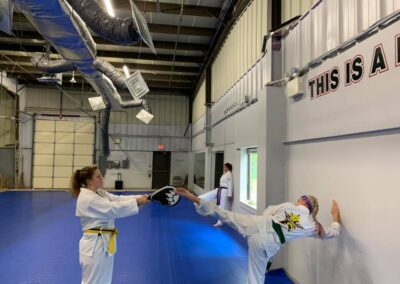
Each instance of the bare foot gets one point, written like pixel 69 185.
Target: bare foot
pixel 218 224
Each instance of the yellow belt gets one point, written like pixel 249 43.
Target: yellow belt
pixel 112 232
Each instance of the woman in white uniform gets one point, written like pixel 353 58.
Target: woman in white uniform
pixel 267 233
pixel 97 210
pixel 223 192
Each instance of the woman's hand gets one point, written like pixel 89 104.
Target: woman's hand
pixel 141 200
pixel 335 212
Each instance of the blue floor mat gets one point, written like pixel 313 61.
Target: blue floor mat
pixel 39 237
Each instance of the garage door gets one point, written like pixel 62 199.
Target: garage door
pixel 61 147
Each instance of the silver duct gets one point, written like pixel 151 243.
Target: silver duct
pixel 106 68
pixel 118 30
pixel 60 25
pixel 111 75
pixel 6 15
pixel 43 63
pixel 104 131
pixel 117 96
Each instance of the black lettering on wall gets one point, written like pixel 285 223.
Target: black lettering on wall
pixel 357 68
pixel 326 79
pixel 379 63
pixel 320 85
pixel 311 86
pixel 334 76
pixel 348 73
pixel 397 50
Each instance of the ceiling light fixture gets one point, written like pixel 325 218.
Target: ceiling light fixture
pixel 73 81
pixel 145 116
pixel 158 9
pixel 126 71
pixel 109 8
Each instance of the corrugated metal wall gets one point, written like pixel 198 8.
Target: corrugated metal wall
pixel 199 108
pixel 327 24
pixel 49 99
pixel 244 91
pixel 293 8
pixel 171 116
pixel 241 49
pixel 7 126
pixel 167 110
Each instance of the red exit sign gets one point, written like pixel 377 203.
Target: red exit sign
pixel 161 147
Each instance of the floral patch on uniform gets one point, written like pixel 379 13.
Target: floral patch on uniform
pixel 292 221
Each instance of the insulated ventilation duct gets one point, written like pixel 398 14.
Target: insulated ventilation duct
pixel 64 29
pixel 6 15
pixel 42 62
pixel 124 31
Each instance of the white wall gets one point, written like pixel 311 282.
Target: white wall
pixel 137 176
pixel 140 166
pixel 362 175
pixel 249 128
pixel 179 165
pixel 344 145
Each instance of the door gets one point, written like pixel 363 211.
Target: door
pixel 219 167
pixel 60 148
pixel 161 169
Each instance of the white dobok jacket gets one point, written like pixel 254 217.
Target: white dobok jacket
pixel 99 210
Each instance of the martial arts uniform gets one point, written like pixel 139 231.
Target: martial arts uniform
pixel 97 211
pixel 222 192
pixel 266 234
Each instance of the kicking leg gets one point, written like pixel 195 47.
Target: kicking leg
pixel 258 259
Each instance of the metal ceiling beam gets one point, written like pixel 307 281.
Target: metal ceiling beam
pixel 184 30
pixel 79 87
pixel 105 53
pixel 23 70
pixel 23 59
pixel 19 75
pixel 34 38
pixel 21 23
pixel 169 8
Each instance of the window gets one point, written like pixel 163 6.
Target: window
pixel 248 192
pixel 252 157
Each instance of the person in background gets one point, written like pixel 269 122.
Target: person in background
pixel 97 210
pixel 223 192
pixel 266 234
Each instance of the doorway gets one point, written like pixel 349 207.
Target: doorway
pixel 219 165
pixel 161 169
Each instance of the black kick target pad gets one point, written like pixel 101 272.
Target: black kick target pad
pixel 165 196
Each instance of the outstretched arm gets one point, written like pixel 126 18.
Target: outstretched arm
pixel 334 229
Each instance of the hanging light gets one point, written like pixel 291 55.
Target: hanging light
pixel 109 8
pixel 126 71
pixel 73 81
pixel 145 114
pixel 158 9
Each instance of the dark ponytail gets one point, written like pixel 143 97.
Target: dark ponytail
pixel 79 179
pixel 229 166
